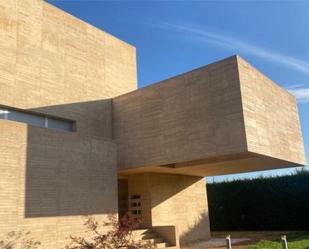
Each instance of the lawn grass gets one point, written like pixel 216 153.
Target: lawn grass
pixel 267 239
pixel 296 240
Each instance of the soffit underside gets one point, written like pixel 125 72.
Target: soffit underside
pixel 229 164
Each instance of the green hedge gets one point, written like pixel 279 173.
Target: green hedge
pixel 274 203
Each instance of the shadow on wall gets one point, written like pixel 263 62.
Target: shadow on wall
pixel 72 173
pixel 93 118
pixel 182 201
pixel 197 232
pixel 167 186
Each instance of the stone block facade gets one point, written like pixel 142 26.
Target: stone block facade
pixel 223 118
pixel 161 141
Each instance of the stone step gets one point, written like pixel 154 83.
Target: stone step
pixel 155 240
pixel 141 231
pixel 145 236
pixel 149 235
pixel 158 240
pixel 161 245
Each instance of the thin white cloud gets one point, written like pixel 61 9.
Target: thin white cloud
pixel 219 39
pixel 300 92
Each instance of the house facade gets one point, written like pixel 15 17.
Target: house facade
pixel 77 137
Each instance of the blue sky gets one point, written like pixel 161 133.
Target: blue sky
pixel 172 37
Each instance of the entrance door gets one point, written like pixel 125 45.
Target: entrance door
pixel 123 207
pixel 136 206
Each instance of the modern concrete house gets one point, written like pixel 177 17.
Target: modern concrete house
pixel 78 138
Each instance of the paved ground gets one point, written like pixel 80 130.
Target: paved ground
pixel 240 240
pixel 220 243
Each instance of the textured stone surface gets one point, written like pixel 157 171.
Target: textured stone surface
pixel 223 118
pixel 270 116
pixel 219 119
pixel 180 200
pixel 50 179
pixel 193 116
pixel 53 63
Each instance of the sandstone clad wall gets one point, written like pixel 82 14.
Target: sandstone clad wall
pixel 271 117
pixel 189 117
pixel 55 63
pixel 222 118
pixel 50 179
pixel 181 201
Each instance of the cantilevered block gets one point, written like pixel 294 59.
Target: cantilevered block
pixel 223 118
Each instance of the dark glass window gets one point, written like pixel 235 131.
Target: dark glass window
pixel 59 125
pixel 36 119
pixel 26 118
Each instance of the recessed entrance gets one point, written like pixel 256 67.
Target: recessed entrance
pixel 134 199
